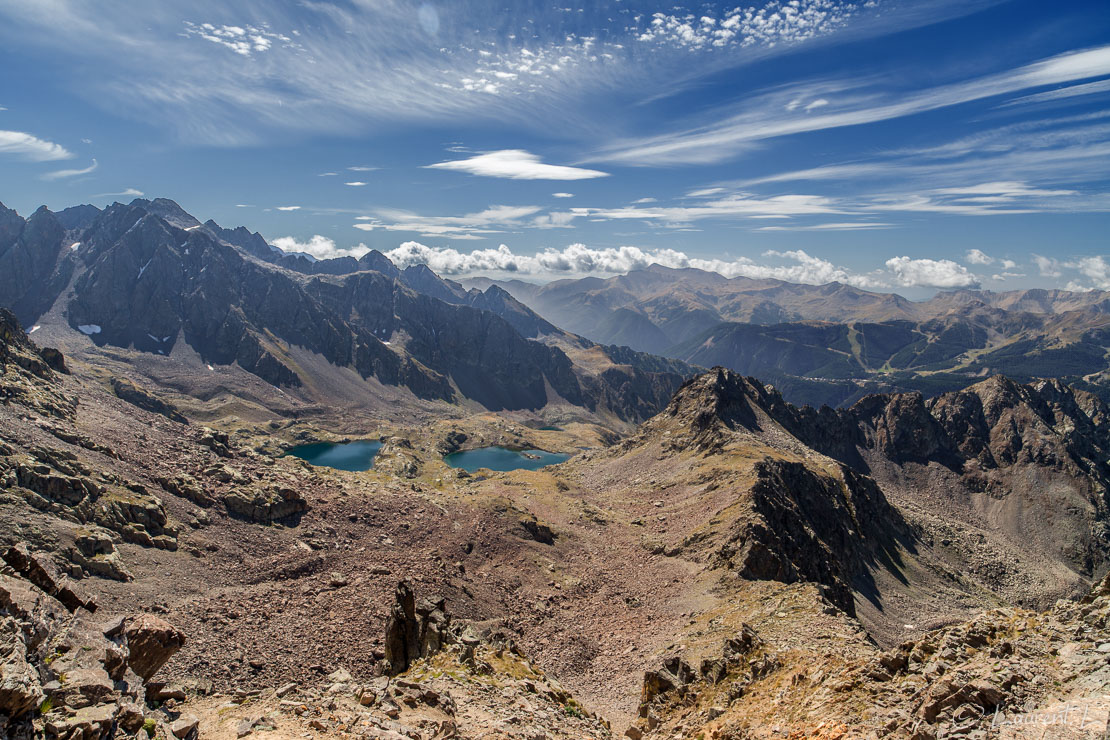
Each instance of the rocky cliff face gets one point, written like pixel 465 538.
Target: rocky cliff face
pixel 35 264
pixel 840 491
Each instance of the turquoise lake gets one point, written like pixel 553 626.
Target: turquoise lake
pixel 502 459
pixel 353 456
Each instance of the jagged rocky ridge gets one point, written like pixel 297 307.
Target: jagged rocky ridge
pixel 1031 459
pixel 148 275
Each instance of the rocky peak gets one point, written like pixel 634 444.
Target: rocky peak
pixel 242 237
pixel 707 408
pixel 378 262
pixel 77 218
pixel 11 225
pixel 169 211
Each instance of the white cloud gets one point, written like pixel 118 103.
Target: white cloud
pixel 562 195
pixel 833 226
pixel 355 184
pixel 359 66
pixel 59 174
pixel 763 117
pixel 928 273
pixel 819 103
pixel 1047 266
pixel 288 208
pixel 319 247
pixel 579 259
pixel 243 40
pixel 774 23
pixel 327 174
pixel 1088 88
pixel 362 169
pixel 493 220
pixel 978 257
pixel 730 205
pixel 31 147
pixel 516 164
pixel 1096 269
pixel 128 192
pixel 243 205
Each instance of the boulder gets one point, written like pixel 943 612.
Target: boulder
pixel 151 642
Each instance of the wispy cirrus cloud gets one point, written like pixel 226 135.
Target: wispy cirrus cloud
pixel 478 225
pixel 229 75
pixel 125 193
pixel 516 164
pixel 62 174
pixel 32 147
pixel 770 116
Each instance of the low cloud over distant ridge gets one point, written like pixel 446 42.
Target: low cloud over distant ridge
pixel 579 259
pixel 795 266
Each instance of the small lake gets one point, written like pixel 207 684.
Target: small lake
pixel 354 456
pixel 502 459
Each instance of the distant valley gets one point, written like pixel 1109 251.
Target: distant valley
pixel 834 343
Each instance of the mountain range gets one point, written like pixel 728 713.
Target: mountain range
pixel 904 567
pixel 834 343
pixel 148 277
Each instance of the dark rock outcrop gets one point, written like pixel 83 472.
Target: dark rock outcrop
pixel 66 676
pixel 147 401
pixel 414 630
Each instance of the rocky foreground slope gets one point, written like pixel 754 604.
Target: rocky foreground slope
pixel 738 567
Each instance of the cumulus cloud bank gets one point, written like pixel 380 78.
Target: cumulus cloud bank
pixel 579 259
pixel 931 273
pixel 319 247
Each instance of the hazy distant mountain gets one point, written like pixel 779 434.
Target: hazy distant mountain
pixel 148 275
pixel 834 343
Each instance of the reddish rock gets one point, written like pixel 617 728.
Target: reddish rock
pixel 151 642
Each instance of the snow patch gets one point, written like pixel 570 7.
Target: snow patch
pixel 89 329
pixel 34 328
pixel 211 368
pixel 190 228
pixel 75 246
pixel 143 268
pixel 387 343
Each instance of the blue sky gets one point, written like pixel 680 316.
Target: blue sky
pixel 894 145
